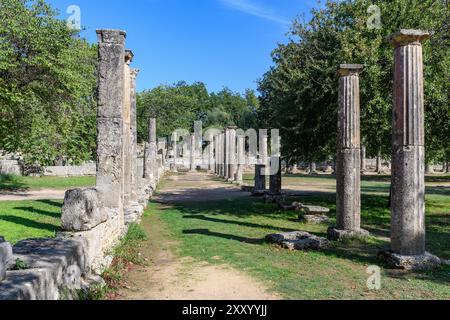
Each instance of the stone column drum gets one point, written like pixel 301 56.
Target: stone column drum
pixel 348 191
pixel 408 155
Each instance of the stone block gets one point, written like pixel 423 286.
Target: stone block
pixel 299 240
pixel 315 219
pixel 81 210
pixel 315 210
pixel 336 234
pixel 6 257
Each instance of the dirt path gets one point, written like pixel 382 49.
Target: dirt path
pixel 170 278
pixel 45 194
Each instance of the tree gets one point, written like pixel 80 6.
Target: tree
pixel 47 86
pixel 299 93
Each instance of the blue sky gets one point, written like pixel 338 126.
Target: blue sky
pixel 219 42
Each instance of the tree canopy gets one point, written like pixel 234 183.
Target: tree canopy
pixel 178 106
pixel 299 94
pixel 47 85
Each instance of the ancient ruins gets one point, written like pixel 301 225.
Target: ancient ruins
pixel 95 219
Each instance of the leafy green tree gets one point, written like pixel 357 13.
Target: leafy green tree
pixel 299 94
pixel 47 86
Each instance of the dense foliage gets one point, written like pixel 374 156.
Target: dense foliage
pixel 179 105
pixel 299 94
pixel 47 86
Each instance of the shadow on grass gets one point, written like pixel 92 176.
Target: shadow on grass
pixel 30 223
pixel 53 203
pixel 209 233
pixel 240 223
pixel 12 183
pixel 40 212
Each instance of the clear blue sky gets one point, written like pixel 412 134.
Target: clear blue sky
pixel 218 42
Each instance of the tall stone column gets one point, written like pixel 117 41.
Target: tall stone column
pixel 226 157
pixel 275 187
pixel 127 138
pixel 151 152
pixel 348 191
pixel 192 154
pixel 216 155
pixel 240 158
pixel 134 151
pixel 408 155
pixel 175 138
pixel 260 168
pixel 110 120
pixel 211 163
pixel 363 159
pixel 232 155
pixel 222 155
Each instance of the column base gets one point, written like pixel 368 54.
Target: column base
pixel 274 198
pixel 423 262
pixel 336 234
pixel 259 193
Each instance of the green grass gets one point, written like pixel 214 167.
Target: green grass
pixel 234 230
pixel 126 255
pixel 29 219
pixel 12 183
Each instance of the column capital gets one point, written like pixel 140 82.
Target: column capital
pixel 129 55
pixel 408 36
pixel 110 35
pixel 350 69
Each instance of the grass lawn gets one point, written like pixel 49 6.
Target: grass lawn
pixel 13 183
pixel 232 232
pixel 29 219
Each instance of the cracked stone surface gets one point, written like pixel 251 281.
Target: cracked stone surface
pixel 299 240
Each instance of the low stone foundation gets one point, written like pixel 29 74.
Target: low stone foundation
pixel 299 240
pixel 410 263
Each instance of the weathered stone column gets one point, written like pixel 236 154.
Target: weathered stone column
pixel 211 163
pixel 151 151
pixel 192 164
pixel 216 155
pixel 348 191
pixel 260 168
pixel 313 168
pixel 240 158
pixel 363 159
pixel 127 138
pixel 275 187
pixel 175 138
pixel 110 119
pixel 408 155
pixel 134 151
pixel 226 152
pixel 232 156
pixel 222 155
